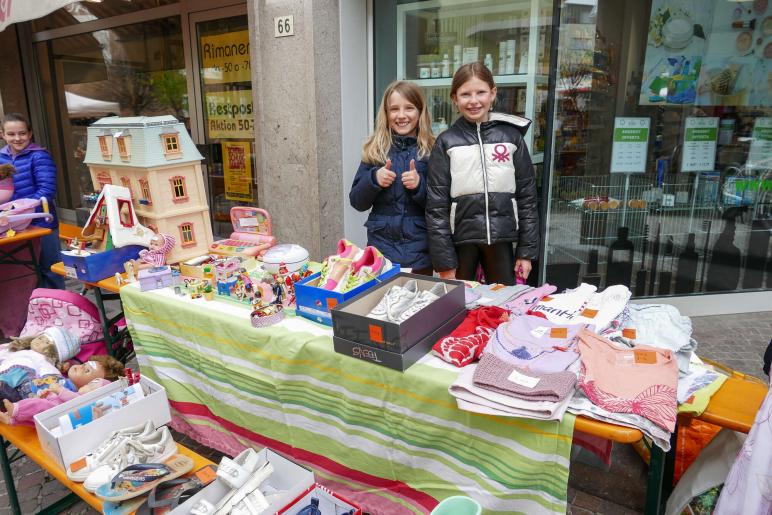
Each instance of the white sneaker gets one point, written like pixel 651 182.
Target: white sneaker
pixel 105 449
pixel 395 301
pixel 247 498
pixel 154 448
pixel 422 300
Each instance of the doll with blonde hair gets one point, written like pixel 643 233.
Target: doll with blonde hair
pixel 391 179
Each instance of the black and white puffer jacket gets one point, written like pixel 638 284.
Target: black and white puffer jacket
pixel 481 189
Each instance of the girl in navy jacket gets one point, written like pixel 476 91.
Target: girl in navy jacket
pixel 391 180
pixel 35 177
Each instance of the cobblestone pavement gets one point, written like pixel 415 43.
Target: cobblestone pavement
pixel 735 340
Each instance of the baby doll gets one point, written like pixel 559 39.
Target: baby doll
pixel 98 371
pixel 160 246
pixel 29 364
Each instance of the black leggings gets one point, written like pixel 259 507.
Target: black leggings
pixel 497 260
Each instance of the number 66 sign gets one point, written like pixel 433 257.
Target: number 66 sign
pixel 283 26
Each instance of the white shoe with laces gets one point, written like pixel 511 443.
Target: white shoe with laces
pixel 423 299
pixel 155 448
pixel 79 470
pixel 394 301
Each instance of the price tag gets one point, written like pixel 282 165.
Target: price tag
pixel 522 379
pixel 559 332
pixel 331 302
pixel 646 357
pixel 497 287
pixel 376 333
pixel 283 26
pixel 539 331
pixel 70 272
pixel 589 313
pixel 629 332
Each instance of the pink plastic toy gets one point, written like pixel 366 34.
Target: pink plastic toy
pixel 17 215
pixel 252 234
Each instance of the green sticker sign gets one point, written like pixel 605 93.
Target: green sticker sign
pixel 630 144
pixel 699 147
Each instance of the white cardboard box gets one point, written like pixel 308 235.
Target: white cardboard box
pixel 288 477
pixel 66 448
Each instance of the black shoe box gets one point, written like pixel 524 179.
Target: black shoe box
pixel 397 360
pixel 350 321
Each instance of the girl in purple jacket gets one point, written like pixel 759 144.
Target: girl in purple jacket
pixel 35 177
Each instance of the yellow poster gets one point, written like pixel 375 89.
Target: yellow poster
pixel 229 114
pixel 237 169
pixel 225 58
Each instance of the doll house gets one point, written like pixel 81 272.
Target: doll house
pixel 114 233
pixel 157 161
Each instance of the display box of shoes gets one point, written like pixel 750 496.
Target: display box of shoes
pixel 315 303
pixel 397 322
pixel 66 447
pixel 252 482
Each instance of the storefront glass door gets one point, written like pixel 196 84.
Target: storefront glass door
pixel 225 129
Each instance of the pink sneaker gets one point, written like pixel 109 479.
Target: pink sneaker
pixel 336 269
pixel 368 267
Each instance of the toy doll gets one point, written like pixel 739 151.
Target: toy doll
pixel 7 171
pixel 27 366
pixel 24 411
pixel 160 247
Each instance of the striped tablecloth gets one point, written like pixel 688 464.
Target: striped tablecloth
pixel 393 442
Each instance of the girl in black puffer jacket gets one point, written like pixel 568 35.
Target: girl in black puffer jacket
pixel 392 178
pixel 481 197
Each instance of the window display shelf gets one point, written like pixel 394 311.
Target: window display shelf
pixel 435 37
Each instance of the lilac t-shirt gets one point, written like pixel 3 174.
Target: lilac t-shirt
pixel 535 344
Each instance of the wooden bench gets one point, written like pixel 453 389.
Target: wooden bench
pixel 25 439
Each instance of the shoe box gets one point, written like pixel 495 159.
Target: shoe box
pixel 389 344
pixel 288 478
pixel 315 303
pixel 69 447
pixel 329 502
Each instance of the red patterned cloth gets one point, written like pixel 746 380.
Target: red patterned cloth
pixel 467 341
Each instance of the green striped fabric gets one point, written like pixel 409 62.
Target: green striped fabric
pixel 394 442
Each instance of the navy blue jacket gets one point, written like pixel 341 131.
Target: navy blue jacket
pixel 35 177
pixel 397 223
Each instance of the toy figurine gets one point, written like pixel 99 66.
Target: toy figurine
pixel 129 266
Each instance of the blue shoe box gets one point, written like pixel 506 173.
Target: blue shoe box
pixel 315 303
pixel 100 265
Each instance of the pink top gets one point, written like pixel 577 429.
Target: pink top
pixel 642 381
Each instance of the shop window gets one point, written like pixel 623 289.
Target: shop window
pixel 144 187
pixel 179 189
pixel 187 236
pixel 103 178
pixel 171 145
pixel 124 144
pixel 106 147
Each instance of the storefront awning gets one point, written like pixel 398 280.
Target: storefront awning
pixel 79 106
pixel 14 11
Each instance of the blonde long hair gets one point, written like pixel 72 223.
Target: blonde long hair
pixel 376 149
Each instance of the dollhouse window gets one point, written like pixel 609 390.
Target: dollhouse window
pixel 103 178
pixel 179 190
pixel 105 146
pixel 126 183
pixel 187 236
pixel 171 144
pixel 145 187
pixel 125 212
pixel 123 147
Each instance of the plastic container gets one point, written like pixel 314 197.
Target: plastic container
pixel 458 505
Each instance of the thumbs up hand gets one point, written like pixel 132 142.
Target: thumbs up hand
pixel 384 176
pixel 411 179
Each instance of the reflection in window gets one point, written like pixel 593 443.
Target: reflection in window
pixel 130 70
pixel 660 207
